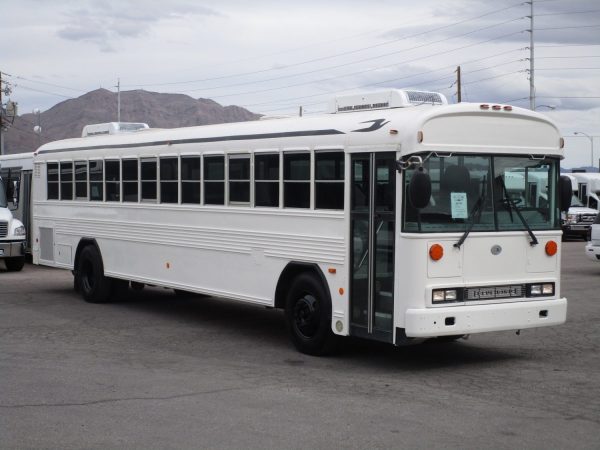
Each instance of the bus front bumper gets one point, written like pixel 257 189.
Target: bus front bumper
pixel 12 248
pixel 459 320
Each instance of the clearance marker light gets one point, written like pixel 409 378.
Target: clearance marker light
pixel 436 251
pixel 484 106
pixel 507 108
pixel 420 137
pixel 332 270
pixel 496 107
pixel 551 248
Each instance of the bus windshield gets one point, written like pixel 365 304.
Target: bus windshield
pixel 485 193
pixel 3 202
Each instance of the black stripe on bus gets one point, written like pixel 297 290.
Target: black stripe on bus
pixel 239 137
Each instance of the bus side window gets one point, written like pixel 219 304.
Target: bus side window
pixel 52 180
pixel 129 170
pixel 266 180
pixel 169 175
pixel 214 180
pixel 329 180
pixel 113 180
pixel 296 180
pixel 81 180
pixel 239 179
pixel 149 179
pixel 66 180
pixel 96 180
pixel 190 179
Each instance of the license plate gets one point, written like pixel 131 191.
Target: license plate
pixel 1 252
pixel 490 292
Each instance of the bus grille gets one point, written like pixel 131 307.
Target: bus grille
pixel 3 229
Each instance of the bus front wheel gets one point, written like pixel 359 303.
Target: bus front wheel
pixel 308 316
pixel 93 285
pixel 15 264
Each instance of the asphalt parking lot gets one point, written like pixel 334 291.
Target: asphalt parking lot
pixel 161 371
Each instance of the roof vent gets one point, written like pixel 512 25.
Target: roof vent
pixel 384 100
pixel 99 129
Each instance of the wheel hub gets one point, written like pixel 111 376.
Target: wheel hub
pixel 306 315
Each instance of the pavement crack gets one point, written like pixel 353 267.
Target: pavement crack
pixel 118 399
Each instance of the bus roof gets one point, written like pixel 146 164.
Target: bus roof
pixel 460 127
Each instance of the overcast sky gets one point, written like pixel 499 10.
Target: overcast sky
pixel 273 56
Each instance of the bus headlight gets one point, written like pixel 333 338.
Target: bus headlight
pixel 541 289
pixel 444 295
pixel 20 231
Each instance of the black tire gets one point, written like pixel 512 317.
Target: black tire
pixel 308 316
pixel 15 264
pixel 135 286
pixel 119 289
pixel 93 285
pixel 446 339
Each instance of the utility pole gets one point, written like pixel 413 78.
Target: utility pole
pixel 118 100
pixel 458 86
pixel 531 62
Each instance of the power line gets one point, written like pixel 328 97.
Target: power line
pixel 567 28
pixel 39 90
pixel 367 70
pixel 452 66
pixel 18 77
pixel 568 13
pixel 337 54
pixel 352 62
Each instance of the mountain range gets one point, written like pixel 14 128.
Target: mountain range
pixel 67 119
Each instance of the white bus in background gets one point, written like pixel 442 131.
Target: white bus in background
pixel 15 194
pixel 332 218
pixel 587 188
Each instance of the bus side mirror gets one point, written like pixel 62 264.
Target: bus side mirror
pixel 565 193
pixel 419 189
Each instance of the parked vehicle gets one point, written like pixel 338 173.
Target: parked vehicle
pixel 592 249
pixel 582 213
pixel 396 216
pixel 12 231
pixel 17 171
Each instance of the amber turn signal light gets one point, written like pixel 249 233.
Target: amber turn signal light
pixel 436 251
pixel 551 248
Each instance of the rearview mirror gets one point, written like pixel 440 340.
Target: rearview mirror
pixel 419 189
pixel 565 193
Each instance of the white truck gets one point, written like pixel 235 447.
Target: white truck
pixel 592 249
pixel 12 231
pixel 582 213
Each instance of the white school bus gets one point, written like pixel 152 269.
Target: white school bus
pixel 396 216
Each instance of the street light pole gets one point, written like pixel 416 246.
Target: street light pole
pixel 591 145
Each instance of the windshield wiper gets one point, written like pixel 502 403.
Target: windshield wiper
pixel 512 205
pixel 477 209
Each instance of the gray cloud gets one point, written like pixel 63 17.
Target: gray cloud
pixel 104 23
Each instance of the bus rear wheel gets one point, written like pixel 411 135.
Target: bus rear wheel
pixel 15 264
pixel 93 285
pixel 308 316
